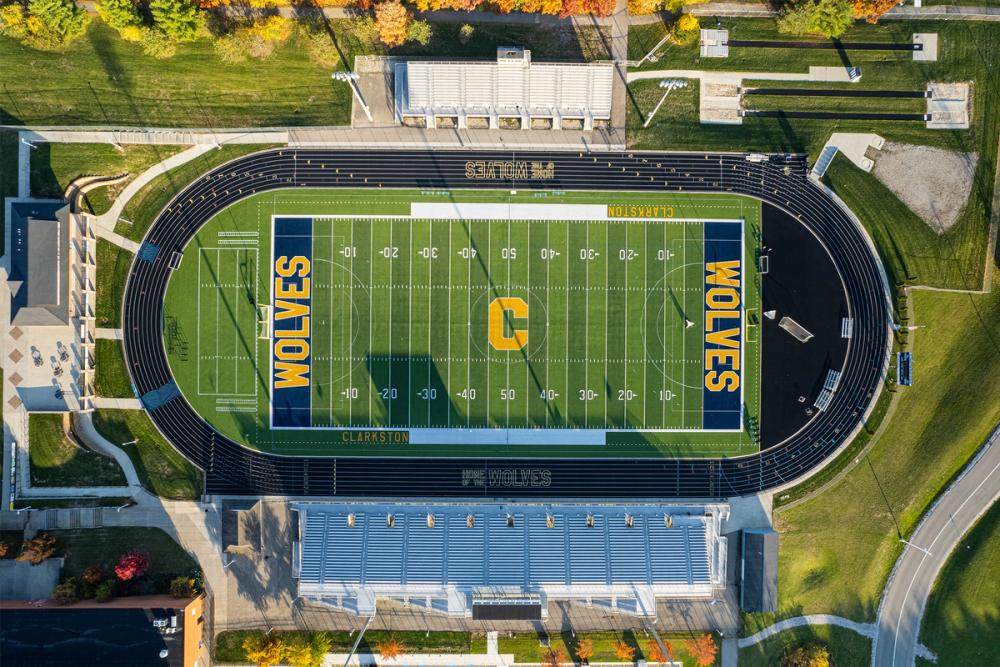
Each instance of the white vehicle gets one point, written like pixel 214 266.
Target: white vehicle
pixel 757 157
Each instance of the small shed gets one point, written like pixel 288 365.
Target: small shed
pixel 759 570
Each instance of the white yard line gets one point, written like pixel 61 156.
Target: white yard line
pixel 448 388
pixel 371 306
pixel 389 346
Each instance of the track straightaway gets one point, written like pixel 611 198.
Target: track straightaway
pixel 233 469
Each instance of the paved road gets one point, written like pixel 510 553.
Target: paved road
pixel 942 528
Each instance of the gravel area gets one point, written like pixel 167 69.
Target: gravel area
pixel 934 183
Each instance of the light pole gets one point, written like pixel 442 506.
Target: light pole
pixel 667 85
pixel 352 79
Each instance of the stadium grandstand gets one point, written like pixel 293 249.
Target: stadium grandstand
pixel 511 93
pixel 508 562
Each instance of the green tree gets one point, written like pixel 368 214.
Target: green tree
pixel 123 16
pixel 178 19
pixel 52 24
pixel 830 18
pixel 419 32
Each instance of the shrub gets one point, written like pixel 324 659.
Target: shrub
pixel 585 650
pixel 44 24
pixel 3 549
pixel 656 654
pixel 365 31
pixel 623 651
pixel 812 655
pixel 123 16
pixel 419 32
pixel 156 44
pixel 640 7
pixel 318 43
pixel 465 33
pixel 685 30
pixel 92 575
pixel 37 549
pixel 553 657
pixel 392 21
pixel 183 587
pixel 390 648
pixel 264 650
pixel 257 40
pixel 105 591
pixel 66 591
pixel 178 19
pixel 829 18
pixel 131 566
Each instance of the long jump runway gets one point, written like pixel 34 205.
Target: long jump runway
pixel 233 469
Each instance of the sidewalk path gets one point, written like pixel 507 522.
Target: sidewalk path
pixel 117 403
pixel 113 334
pixel 864 629
pixel 937 535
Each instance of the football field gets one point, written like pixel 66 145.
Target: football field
pixel 473 324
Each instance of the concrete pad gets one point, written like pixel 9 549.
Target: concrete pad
pixel 832 74
pixel 19 580
pixel 714 43
pixel 929 40
pixel 949 106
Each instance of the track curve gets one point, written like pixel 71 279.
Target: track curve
pixel 233 469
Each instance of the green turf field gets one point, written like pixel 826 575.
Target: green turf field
pixel 513 333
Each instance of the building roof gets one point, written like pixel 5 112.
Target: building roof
pixel 39 274
pixel 759 581
pixel 450 553
pixel 505 87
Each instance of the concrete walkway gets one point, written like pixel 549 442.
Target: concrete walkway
pixel 107 221
pixel 863 629
pixel 23 170
pixel 83 426
pixel 113 334
pixel 117 403
pixel 927 550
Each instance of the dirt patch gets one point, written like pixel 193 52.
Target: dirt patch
pixel 934 183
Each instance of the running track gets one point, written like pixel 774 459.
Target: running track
pixel 233 469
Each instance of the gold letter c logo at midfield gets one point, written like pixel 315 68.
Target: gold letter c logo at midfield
pixel 518 309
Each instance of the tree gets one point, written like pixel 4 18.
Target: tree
pixel 811 655
pixel 419 32
pixel 46 25
pixel 123 16
pixel 156 43
pixel 297 653
pixel 826 17
pixel 264 650
pixel 655 653
pixel 131 566
pixel 391 22
pixel 585 650
pixel 685 30
pixel 703 649
pixel 390 648
pixel 3 549
pixel 624 652
pixel 178 19
pixel 465 33
pixel 105 591
pixel 92 575
pixel 554 657
pixel 183 588
pixel 38 548
pixel 872 10
pixel 600 7
pixel 640 7
pixel 66 591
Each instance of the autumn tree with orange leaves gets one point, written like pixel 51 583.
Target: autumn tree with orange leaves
pixel 585 650
pixel 655 652
pixel 703 649
pixel 391 22
pixel 390 647
pixel 554 657
pixel 624 652
pixel 872 10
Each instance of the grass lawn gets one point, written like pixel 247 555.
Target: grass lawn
pixel 524 646
pixel 143 208
pixel 837 549
pixel 968 51
pixel 160 467
pixel 847 649
pixel 912 252
pixel 111 379
pixel 113 264
pixel 962 621
pixel 56 461
pixel 55 166
pixel 119 85
pixel 8 176
pixel 83 548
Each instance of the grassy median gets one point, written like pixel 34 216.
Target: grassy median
pixel 57 461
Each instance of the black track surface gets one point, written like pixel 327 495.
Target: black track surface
pixel 232 469
pixel 837 115
pixel 836 92
pixel 833 44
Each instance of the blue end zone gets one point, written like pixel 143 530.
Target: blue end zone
pixel 723 342
pixel 291 339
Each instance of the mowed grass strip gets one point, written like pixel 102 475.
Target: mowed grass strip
pixel 57 461
pixel 161 468
pixel 111 377
pixel 113 265
pixel 962 620
pixel 837 549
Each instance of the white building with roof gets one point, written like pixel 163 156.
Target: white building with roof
pixel 507 562
pixel 511 93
